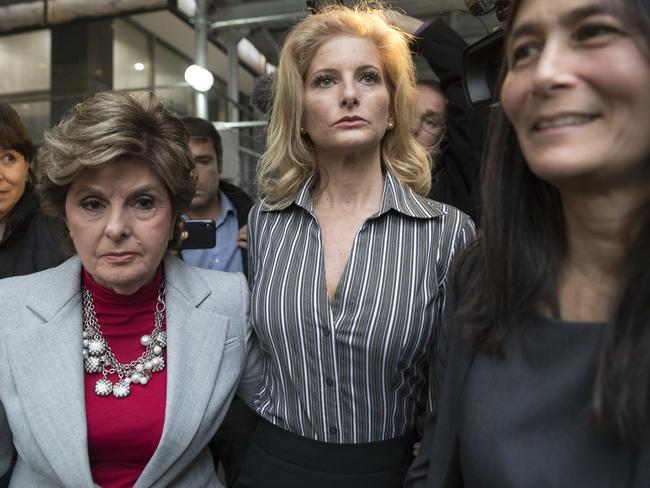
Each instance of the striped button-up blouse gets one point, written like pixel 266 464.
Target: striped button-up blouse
pixel 357 369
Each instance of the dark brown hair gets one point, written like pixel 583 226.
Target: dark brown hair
pixel 14 135
pixel 203 129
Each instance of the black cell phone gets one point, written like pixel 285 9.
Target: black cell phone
pixel 201 234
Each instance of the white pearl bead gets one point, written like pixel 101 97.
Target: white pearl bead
pixel 85 342
pixel 143 380
pixel 139 367
pixel 157 349
pixel 127 380
pixel 156 361
pixel 148 365
pixel 145 340
pixel 135 377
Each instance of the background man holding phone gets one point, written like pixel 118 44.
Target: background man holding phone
pixel 225 203
pixel 228 205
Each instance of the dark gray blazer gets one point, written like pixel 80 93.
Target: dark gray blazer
pixel 42 409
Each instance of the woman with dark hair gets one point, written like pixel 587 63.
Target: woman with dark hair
pixel 547 371
pixel 29 241
pixel 117 367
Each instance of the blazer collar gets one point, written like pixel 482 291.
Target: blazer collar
pixel 56 289
pixel 45 358
pixel 53 292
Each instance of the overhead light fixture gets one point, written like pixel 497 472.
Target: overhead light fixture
pixel 199 78
pixel 138 67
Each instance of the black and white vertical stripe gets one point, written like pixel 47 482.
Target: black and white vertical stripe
pixel 356 370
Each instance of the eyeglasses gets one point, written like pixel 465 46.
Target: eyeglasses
pixel 431 123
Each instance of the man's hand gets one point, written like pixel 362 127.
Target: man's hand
pixel 242 237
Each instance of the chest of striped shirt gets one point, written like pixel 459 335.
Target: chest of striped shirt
pixel 357 369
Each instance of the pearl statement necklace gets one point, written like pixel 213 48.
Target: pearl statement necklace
pixel 99 358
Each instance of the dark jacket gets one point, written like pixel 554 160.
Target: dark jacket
pixel 438 463
pixel 31 241
pixel 457 167
pixel 243 204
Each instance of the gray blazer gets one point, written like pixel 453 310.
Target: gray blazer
pixel 211 353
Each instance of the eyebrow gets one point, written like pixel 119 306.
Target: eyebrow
pixel 335 70
pixel 431 113
pixel 94 189
pixel 572 17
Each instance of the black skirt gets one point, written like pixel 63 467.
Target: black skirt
pixel 277 458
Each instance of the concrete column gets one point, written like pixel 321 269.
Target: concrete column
pixel 82 63
pixel 201 54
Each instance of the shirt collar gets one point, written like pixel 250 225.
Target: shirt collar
pixel 226 205
pixel 396 196
pixel 399 197
pixel 302 198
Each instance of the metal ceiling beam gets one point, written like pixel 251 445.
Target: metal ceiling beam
pixel 274 12
pixel 201 21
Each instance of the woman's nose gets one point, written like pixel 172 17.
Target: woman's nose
pixel 554 69
pixel 350 95
pixel 118 225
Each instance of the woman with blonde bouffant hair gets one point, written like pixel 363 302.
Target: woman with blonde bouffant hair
pixel 348 261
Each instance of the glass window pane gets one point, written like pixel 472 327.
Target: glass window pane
pixel 36 117
pixel 25 59
pixel 170 66
pixel 131 60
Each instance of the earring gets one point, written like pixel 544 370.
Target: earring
pixel 302 131
pixel 391 124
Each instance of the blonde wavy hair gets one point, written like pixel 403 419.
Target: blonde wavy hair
pixel 290 157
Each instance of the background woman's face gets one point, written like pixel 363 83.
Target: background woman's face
pixel 346 96
pixel 577 92
pixel 120 219
pixel 13 176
